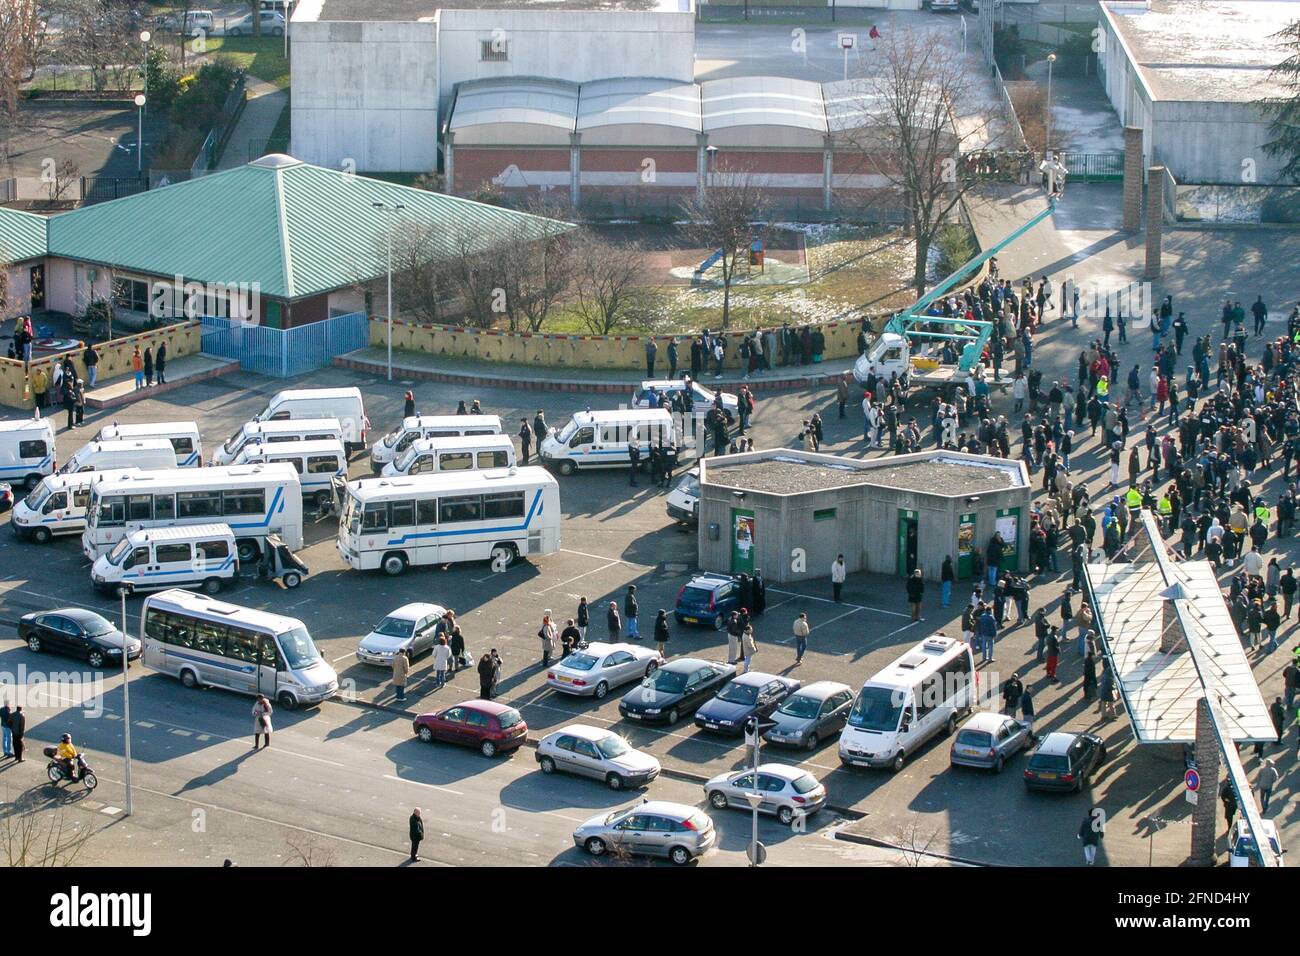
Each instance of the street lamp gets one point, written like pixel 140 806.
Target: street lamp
pixel 145 37
pixel 1047 143
pixel 139 145
pixel 389 211
pixel 713 156
pixel 756 852
pixel 126 698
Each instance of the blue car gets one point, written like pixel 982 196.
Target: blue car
pixel 708 599
pixel 749 695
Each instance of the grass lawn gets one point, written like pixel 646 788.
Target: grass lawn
pixel 72 78
pixel 262 57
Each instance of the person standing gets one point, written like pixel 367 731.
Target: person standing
pixel 485 671
pixel 838 573
pixel 613 623
pixel 540 429
pixel 1265 781
pixel 458 657
pixel 5 714
pixel 987 630
pixel 801 630
pixel 160 363
pixel 401 668
pixel 416 828
pixel 630 612
pixel 1027 709
pixel 69 398
pixel 1053 651
pixel 1275 710
pixel 148 366
pixel 583 617
pixel 672 358
pixel 79 403
pixel 661 631
pixel 18 731
pixel 569 639
pixel 91 360
pixel 41 387
pixel 546 634
pixel 441 658
pixel 497 664
pixel 1090 832
pixel 525 439
pixel 633 460
pixel 946 578
pixel 748 648
pixel 1228 797
pixel 261 720
pixel 842 393
pixel 915 591
pixel 1089 676
pixel 408 404
pixel 1012 689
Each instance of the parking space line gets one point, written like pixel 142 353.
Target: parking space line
pixel 860 607
pixel 431 786
pixel 603 567
pixel 824 623
pixel 899 630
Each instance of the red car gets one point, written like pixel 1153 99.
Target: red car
pixel 491 727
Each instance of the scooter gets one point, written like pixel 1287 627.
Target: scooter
pixel 58 773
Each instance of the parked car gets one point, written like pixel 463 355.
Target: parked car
pixel 707 599
pixel 272 25
pixel 1064 761
pixel 677 688
pixel 76 633
pixel 655 828
pixel 816 712
pixel 652 390
pixel 6 497
pixel 490 727
pixel 593 671
pixel 750 695
pixel 787 791
pixel 597 753
pixel 988 740
pixel 1241 844
pixel 411 627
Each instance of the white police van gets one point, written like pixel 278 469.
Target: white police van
pixel 26 451
pixel 57 505
pixel 602 439
pixel 153 559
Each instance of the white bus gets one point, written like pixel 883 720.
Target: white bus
pixel 924 691
pixel 255 500
pixel 204 641
pixel 184 437
pixel 390 523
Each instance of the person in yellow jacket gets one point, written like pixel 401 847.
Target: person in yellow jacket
pixel 1103 388
pixel 1165 508
pixel 67 754
pixel 40 387
pixel 1133 498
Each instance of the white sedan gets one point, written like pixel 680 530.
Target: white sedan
pixel 410 627
pixel 597 753
pixel 593 671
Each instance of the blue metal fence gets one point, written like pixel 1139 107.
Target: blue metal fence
pixel 284 353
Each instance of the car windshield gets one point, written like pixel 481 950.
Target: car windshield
pixel 407 459
pixel 39 495
pixel 508 719
pixel 689 485
pixel 120 550
pixel 392 437
pixel 96 626
pixel 805 783
pixel 877 708
pixel 613 746
pixel 232 443
pixel 567 431
pixel 298 648
pixel 580 662
pixel 800 706
pixel 975 738
pixel 669 682
pixel 694 595
pixel 739 694
pixel 395 627
pixel 1049 762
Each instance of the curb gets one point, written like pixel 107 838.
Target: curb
pixel 141 393
pixel 478 380
pixel 872 841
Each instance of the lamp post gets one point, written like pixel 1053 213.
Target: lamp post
pixel 389 211
pixel 713 156
pixel 126 699
pixel 756 852
pixel 139 146
pixel 145 37
pixel 1047 143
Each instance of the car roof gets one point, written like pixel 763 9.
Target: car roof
pixel 986 720
pixel 666 808
pixel 484 706
pixel 78 614
pixel 600 648
pixel 822 689
pixel 710 579
pixel 686 664
pixel 1057 743
pixel 757 678
pixel 585 731
pixel 783 770
pixel 416 610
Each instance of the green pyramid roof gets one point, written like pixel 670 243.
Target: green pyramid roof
pixel 22 235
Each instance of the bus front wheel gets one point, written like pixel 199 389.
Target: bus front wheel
pixel 393 564
pixel 503 555
pixel 286 700
pixel 189 680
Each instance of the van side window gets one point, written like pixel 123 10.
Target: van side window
pixel 270 653
pixel 164 507
pixel 242 645
pixel 427 511
pixel 139 507
pixel 56 502
pixel 270 438
pixel 609 435
pixel 322 465
pixel 403 514
pixel 493 459
pixel 172 553
pixel 320 437
pixel 930 695
pixel 213 550
pixel 32 449
pixel 183 446
pixel 138 557
pixel 584 436
pixel 455 461
pixel 296 462
pixel 81 498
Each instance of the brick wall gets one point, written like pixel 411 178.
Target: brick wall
pixel 475 165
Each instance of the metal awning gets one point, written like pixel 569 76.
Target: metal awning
pixel 1161 688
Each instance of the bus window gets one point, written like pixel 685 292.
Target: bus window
pixel 139 508
pixel 402 514
pixel 164 507
pixel 246 501
pixel 509 504
pixel 375 518
pixel 427 511
pixel 459 508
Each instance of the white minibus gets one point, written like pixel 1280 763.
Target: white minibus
pixel 342 403
pixel 255 500
pixel 184 437
pixel 923 692
pixel 601 439
pixel 204 641
pixel 318 463
pixel 390 523
pixel 57 506
pixel 26 451
pixel 454 453
pixel 147 454
pixel 417 427
pixel 300 429
pixel 151 559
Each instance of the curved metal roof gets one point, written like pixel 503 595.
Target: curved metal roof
pixel 789 112
pixel 623 111
pixel 515 110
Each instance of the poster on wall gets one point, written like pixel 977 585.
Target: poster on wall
pixel 966 546
pixel 742 541
pixel 1009 527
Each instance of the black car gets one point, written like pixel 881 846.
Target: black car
pixel 749 695
pixel 676 688
pixel 1064 762
pixel 76 633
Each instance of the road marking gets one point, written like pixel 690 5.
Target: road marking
pixel 420 783
pixel 824 623
pixel 899 630
pixel 110 811
pixel 603 567
pixel 344 657
pixel 860 607
pixel 204 735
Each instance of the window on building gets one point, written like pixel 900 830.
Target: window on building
pixel 131 295
pixel 496 50
pixel 825 514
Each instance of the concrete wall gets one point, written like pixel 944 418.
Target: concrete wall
pixel 114 359
pixel 366 92
pixel 576 351
pixel 1211 142
pixel 19 296
pixel 68 287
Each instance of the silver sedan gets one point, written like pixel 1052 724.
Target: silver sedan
pixel 988 741
pixel 598 668
pixel 786 791
pixel 597 753
pixel 653 828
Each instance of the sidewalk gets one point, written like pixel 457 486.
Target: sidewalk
pixel 421 366
pixel 262 111
pixel 182 371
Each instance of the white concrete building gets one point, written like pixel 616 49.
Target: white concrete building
pixel 1187 72
pixel 372 80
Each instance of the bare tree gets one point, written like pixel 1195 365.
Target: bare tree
pixel 913 845
pixel 904 132
pixel 256 7
pixel 102 35
pixel 32 834
pixel 607 283
pixel 21 32
pixel 6 264
pixel 66 173
pixel 726 219
pixel 536 265
pixel 421 274
pixel 476 277
pixel 304 850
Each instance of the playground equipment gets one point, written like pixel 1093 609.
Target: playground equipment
pixel 756 258
pixel 904 346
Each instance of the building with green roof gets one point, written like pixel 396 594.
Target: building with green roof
pixel 23 248
pixel 291 242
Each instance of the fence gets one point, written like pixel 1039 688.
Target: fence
pixel 1013 121
pixel 284 353
pixel 103 188
pixel 8 190
pixel 212 146
pixel 1093 167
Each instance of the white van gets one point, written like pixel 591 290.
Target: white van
pixel 184 437
pixel 601 439
pixel 26 451
pixel 57 505
pixel 152 559
pixel 147 454
pixel 454 453
pixel 318 463
pixel 684 499
pixel 907 703
pixel 302 429
pixel 342 403
pixel 417 427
